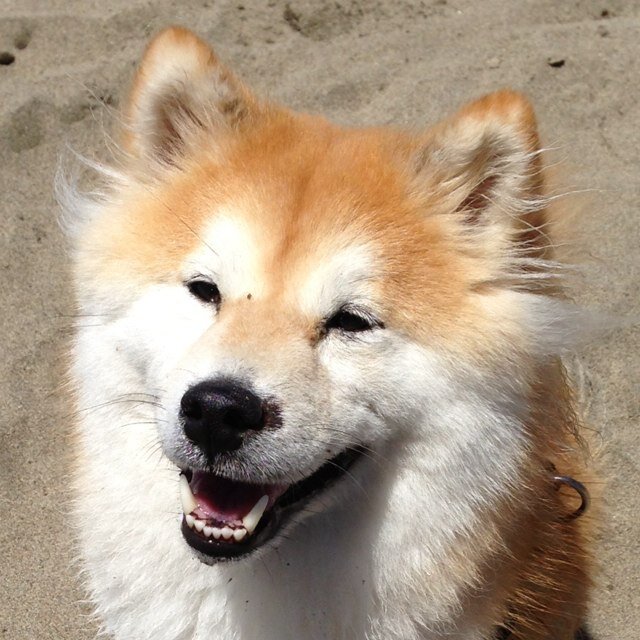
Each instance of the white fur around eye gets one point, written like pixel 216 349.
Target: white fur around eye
pixel 336 279
pixel 230 255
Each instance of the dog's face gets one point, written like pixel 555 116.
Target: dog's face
pixel 296 297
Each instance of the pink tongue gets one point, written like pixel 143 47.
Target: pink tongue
pixel 228 501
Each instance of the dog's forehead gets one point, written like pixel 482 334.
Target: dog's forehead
pixel 303 213
pixel 318 217
pixel 248 256
pixel 320 224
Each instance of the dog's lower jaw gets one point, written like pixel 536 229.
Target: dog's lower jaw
pixel 318 580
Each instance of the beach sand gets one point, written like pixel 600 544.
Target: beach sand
pixel 359 62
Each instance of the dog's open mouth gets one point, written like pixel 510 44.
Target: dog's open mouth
pixel 226 519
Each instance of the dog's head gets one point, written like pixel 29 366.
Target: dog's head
pixel 298 298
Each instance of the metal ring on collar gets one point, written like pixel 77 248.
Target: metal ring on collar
pixel 580 489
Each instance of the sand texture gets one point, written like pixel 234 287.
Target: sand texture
pixel 64 67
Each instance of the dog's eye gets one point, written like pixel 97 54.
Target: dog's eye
pixel 205 291
pixel 348 321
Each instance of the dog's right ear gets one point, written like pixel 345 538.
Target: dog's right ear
pixel 180 92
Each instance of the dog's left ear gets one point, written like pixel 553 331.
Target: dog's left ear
pixel 483 163
pixel 181 90
pixel 481 172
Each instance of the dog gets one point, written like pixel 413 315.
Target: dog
pixel 321 393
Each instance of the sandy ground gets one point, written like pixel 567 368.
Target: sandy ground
pixel 373 62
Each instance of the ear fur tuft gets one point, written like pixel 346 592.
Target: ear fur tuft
pixel 482 169
pixel 485 158
pixel 180 91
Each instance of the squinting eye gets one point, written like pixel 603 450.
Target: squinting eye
pixel 350 322
pixel 205 291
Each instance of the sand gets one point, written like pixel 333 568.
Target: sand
pixel 63 68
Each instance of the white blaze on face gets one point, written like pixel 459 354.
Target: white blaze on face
pixel 344 277
pixel 229 254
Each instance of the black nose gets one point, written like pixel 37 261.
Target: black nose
pixel 217 413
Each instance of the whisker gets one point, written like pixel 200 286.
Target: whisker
pixel 142 423
pixel 115 401
pixel 350 475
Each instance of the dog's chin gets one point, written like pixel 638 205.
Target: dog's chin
pixel 226 519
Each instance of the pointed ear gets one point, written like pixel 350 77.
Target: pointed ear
pixel 181 91
pixel 483 163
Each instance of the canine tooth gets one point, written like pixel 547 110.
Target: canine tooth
pixel 216 533
pixel 250 521
pixel 238 534
pixel 199 524
pixel 208 531
pixel 227 532
pixel 190 521
pixel 186 496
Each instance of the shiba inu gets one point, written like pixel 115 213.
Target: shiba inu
pixel 321 394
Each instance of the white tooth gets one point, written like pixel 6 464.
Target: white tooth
pixel 216 533
pixel 250 521
pixel 238 534
pixel 199 524
pixel 227 533
pixel 208 531
pixel 186 496
pixel 190 521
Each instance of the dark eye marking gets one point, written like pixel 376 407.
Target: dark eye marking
pixel 351 320
pixel 205 291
